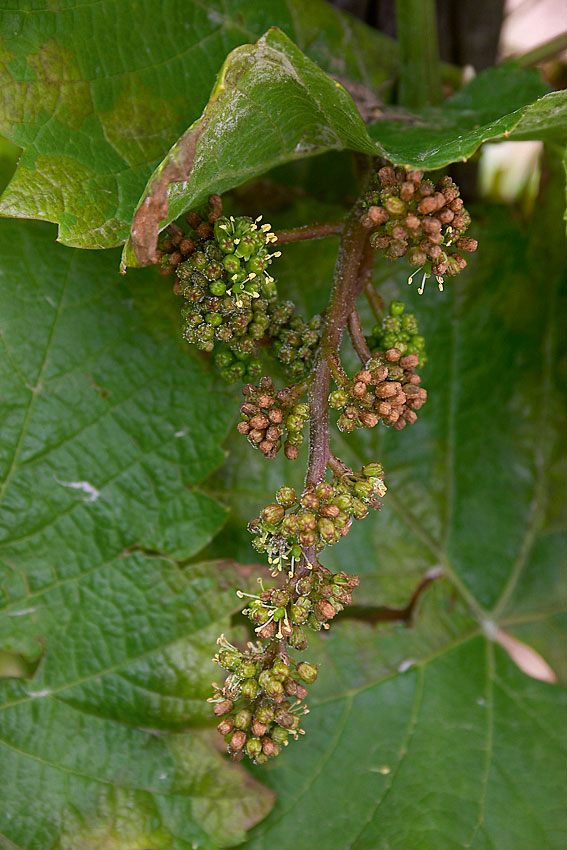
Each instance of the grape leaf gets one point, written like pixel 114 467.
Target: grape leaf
pixel 272 104
pixel 445 742
pixel 108 429
pixel 95 107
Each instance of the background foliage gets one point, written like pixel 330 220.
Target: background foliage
pixel 122 496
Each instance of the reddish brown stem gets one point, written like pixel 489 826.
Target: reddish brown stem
pixel 310 231
pixel 338 466
pixel 376 303
pixel 351 252
pixel 365 269
pixel 357 337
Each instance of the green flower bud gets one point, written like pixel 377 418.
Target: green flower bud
pixel 392 324
pixel 307 521
pixel 373 470
pixel 278 613
pixel 286 496
pixel 359 509
pixel 363 489
pixel 389 341
pixel 199 260
pixel 301 410
pixel 297 638
pixel 294 423
pixel 290 526
pixel 249 688
pixel 246 669
pixel 343 501
pixel 229 659
pixel 257 264
pixel 265 678
pixel 217 288
pixel 279 735
pixel 231 264
pixel 280 671
pixel 395 206
pixel 264 713
pixel 223 359
pixel 299 613
pixel 396 308
pixel 253 747
pixel 304 585
pixel 280 596
pixel 345 424
pixel 338 399
pixel 273 514
pixel 274 688
pixel 214 319
pixel 314 623
pixel 307 672
pixel 242 719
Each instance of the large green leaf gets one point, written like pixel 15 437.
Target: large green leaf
pixel 108 428
pixel 272 104
pixel 96 94
pixel 431 736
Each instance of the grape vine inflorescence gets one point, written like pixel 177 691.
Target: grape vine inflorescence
pixel 232 310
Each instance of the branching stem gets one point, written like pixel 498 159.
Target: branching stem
pixel 343 294
pixel 357 337
pixel 375 301
pixel 310 231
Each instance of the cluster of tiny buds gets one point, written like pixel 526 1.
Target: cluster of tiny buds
pixel 411 216
pixel 310 600
pixel 388 390
pixel 398 330
pixel 320 517
pixel 177 246
pixel 267 415
pixel 254 702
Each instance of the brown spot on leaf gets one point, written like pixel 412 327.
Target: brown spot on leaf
pixel 177 168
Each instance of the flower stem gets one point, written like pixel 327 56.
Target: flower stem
pixel 375 301
pixel 310 231
pixel 343 294
pixel 358 338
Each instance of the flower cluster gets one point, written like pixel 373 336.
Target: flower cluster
pixel 388 390
pixel 295 341
pixel 265 417
pixel 228 294
pixel 320 517
pixel 398 330
pixel 257 719
pixel 260 701
pixel 311 600
pixel 412 216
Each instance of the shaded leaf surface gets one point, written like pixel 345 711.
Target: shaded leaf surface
pixel 95 107
pixel 108 429
pixel 272 104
